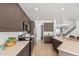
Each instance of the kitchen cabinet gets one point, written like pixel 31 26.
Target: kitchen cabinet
pixel 26 19
pixel 12 17
pixel 32 27
pixel 27 22
pixel 48 29
pixel 7 16
pixel 55 44
pixel 47 39
pixel 18 19
pixel 32 44
pixel 24 51
pixel 48 26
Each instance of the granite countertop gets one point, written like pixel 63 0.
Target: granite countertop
pixel 13 51
pixel 68 46
pixel 58 38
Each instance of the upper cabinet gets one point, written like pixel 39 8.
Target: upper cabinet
pixel 32 27
pixel 18 19
pixel 7 16
pixel 12 17
pixel 48 26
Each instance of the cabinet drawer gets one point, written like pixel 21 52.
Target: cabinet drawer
pixel 47 39
pixel 7 15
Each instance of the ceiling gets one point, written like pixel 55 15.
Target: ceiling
pixel 48 11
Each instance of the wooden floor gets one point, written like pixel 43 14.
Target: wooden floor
pixel 41 49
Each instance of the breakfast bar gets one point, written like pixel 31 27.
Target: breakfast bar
pixel 68 47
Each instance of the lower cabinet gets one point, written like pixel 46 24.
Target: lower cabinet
pixel 47 39
pixel 27 50
pixel 32 44
pixel 55 44
pixel 24 51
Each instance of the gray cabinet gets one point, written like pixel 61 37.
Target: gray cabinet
pixel 32 27
pixel 48 26
pixel 32 44
pixel 12 17
pixel 47 39
pixel 7 16
pixel 18 19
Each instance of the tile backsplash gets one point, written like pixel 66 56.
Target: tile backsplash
pixel 48 33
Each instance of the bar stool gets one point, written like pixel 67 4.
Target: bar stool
pixel 77 37
pixel 71 37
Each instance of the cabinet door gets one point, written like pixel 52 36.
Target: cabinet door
pixel 27 20
pixel 27 50
pixel 47 39
pixel 18 19
pixel 7 16
pixel 48 26
pixel 32 44
pixel 32 27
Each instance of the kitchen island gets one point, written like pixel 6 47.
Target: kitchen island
pixel 20 49
pixel 68 47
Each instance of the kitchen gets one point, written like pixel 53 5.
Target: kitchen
pixel 19 34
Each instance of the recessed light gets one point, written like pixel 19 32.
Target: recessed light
pixel 62 9
pixel 36 9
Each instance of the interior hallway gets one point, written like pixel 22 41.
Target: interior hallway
pixel 42 49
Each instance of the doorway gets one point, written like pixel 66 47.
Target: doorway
pixel 39 31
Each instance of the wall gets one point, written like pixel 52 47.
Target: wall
pixel 54 27
pixel 38 30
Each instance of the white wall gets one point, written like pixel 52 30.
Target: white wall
pixel 54 26
pixel 38 30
